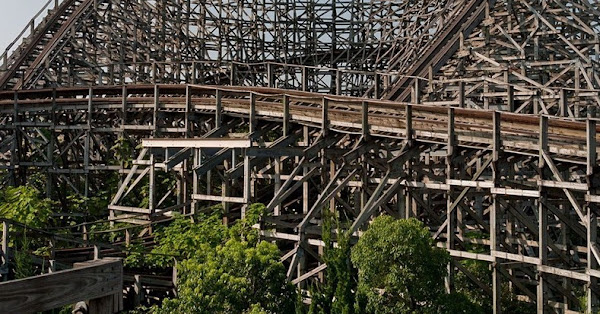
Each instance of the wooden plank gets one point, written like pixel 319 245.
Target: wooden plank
pixel 222 142
pixel 311 273
pixel 217 198
pixel 91 280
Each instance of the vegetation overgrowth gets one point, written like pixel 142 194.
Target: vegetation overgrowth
pixel 394 267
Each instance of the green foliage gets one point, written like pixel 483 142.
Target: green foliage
pixel 25 205
pixel 186 239
pixel 399 268
pixel 122 151
pixel 222 269
pixel 481 270
pixel 456 303
pixel 23 262
pixel 233 278
pixel 164 181
pixel 135 256
pixel 256 309
pixel 102 231
pixel 336 295
pixel 514 306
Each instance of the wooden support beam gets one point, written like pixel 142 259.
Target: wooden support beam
pixel 542 293
pixel 218 108
pixel 461 94
pixel 495 213
pixel 593 258
pixel 309 274
pixel 365 120
pixel 286 115
pixel 252 115
pixel 327 194
pixel 511 98
pixel 221 142
pixel 325 116
pixel 4 254
pixel 563 106
pixel 451 216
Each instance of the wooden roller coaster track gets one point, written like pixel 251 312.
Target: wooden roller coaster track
pixel 412 153
pixel 281 103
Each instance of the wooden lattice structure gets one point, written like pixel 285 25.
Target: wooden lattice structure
pixel 476 117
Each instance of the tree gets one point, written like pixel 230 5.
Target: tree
pixel 233 278
pixel 25 205
pixel 336 294
pixel 225 269
pixel 400 270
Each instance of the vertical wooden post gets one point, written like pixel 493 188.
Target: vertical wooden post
pixel 4 256
pixel 286 115
pixel 225 187
pixel 486 90
pixel 188 110
pixel 511 98
pixel 85 233
pixel 338 82
pixel 377 85
pixel 451 214
pixel 592 222
pixel 218 108
pixel 365 120
pixel 270 75
pixel 461 94
pixel 409 138
pixel 50 148
pixel 416 93
pixel 155 113
pixel 175 277
pixel 51 266
pixel 15 143
pixel 247 184
pixel 325 116
pixel 138 290
pixel 543 218
pixel 277 182
pixel 151 185
pixel 194 73
pixel 127 237
pixel 305 186
pixel 562 103
pixel 96 252
pixel 331 178
pixel 304 77
pixel 232 74
pixel 154 74
pixel 86 152
pixel 494 214
pixel 252 121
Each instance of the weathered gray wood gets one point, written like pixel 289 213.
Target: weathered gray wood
pixel 4 254
pixel 495 213
pixel 91 280
pixel 542 297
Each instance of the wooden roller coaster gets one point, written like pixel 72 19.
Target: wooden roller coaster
pixel 476 117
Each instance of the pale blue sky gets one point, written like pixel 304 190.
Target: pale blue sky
pixel 15 15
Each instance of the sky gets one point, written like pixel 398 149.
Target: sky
pixel 14 16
